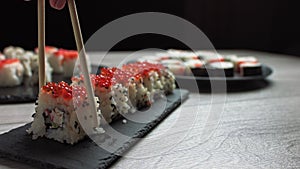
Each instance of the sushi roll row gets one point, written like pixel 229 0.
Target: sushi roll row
pixel 20 66
pixel 117 91
pixel 206 63
pixel 132 87
pixel 59 61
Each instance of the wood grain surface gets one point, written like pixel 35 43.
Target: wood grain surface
pixel 255 129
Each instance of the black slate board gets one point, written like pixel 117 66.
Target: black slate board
pixel 17 144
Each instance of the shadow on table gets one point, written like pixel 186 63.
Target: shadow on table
pixel 232 86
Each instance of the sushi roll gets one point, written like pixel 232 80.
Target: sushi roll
pixel 124 88
pixel 56 60
pixel 34 64
pixel 230 58
pixel 163 56
pixel 25 59
pixel 176 66
pixel 63 61
pixel 181 54
pixel 250 69
pixel 11 72
pixel 56 116
pixel 245 59
pixel 149 74
pixel 165 76
pixel 156 77
pixel 69 61
pixel 177 69
pixel 215 59
pixel 167 62
pixel 105 92
pixel 12 52
pixel 167 80
pixel 209 56
pixel 217 69
pixel 49 50
pixel 151 59
pixel 196 67
pixel 131 85
pixel 113 97
pixel 2 57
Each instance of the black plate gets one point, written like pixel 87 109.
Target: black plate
pixel 27 93
pixel 266 71
pixel 44 153
pixel 233 84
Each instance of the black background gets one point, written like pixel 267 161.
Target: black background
pixel 266 25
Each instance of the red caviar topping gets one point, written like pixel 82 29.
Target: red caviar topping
pixel 67 54
pixel 8 61
pixel 64 90
pixel 216 60
pixel 116 75
pixel 97 80
pixel 48 49
pixel 103 81
pixel 241 62
pixel 142 68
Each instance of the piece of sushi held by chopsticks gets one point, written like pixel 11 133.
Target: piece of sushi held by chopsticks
pixel 56 117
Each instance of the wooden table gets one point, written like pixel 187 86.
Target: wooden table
pixel 257 129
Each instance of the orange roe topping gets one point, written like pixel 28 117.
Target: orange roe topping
pixel 97 80
pixel 8 61
pixel 67 54
pixel 111 76
pixel 117 75
pixel 64 90
pixel 216 60
pixel 61 89
pixel 103 81
pixel 241 62
pixel 142 68
pixel 48 49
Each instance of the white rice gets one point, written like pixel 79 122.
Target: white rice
pixel 66 126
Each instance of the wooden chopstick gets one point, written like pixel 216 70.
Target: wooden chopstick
pixel 41 42
pixel 83 59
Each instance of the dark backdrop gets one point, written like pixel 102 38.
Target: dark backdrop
pixel 268 25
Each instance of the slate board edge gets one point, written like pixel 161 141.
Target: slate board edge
pixel 149 128
pixel 183 95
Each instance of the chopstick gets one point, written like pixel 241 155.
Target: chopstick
pixel 83 58
pixel 41 42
